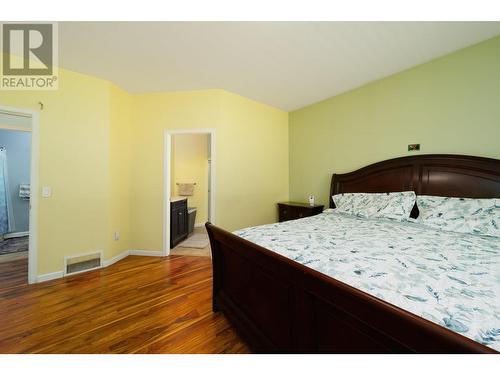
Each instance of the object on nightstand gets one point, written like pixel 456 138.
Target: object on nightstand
pixel 311 200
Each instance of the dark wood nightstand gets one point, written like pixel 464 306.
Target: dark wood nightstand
pixel 295 210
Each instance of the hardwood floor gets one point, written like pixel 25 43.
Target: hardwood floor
pixel 13 271
pixel 138 305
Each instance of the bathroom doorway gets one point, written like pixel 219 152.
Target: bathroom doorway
pixel 18 169
pixel 189 190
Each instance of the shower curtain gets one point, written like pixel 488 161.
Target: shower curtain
pixel 5 206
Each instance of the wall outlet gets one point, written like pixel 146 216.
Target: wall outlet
pixel 117 236
pixel 414 147
pixel 46 192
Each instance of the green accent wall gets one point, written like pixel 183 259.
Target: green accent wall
pixel 449 105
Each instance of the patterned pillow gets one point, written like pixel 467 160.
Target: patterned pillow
pixel 344 202
pixel 463 215
pixel 395 206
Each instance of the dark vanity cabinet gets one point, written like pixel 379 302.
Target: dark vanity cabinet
pixel 178 222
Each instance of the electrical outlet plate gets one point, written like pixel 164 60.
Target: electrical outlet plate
pixel 46 192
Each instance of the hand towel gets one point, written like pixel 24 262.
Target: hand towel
pixel 186 189
pixel 24 191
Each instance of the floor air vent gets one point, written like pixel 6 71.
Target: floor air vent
pixel 82 263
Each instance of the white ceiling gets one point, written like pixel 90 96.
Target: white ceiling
pixel 284 64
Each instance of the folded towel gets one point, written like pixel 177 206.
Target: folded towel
pixel 186 189
pixel 24 191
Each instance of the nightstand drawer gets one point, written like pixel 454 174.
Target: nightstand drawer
pixel 285 213
pixel 293 210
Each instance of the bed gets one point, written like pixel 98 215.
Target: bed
pixel 282 301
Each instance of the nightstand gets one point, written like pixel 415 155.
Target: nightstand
pixel 295 210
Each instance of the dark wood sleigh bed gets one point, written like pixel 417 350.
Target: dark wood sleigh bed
pixel 280 306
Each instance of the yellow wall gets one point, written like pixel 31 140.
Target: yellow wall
pixel 252 162
pixel 251 152
pixel 153 113
pixel 189 164
pixel 120 154
pixel 101 149
pixel 74 153
pixel 450 105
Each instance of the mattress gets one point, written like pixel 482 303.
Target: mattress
pixel 449 278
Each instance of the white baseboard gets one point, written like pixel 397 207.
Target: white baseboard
pixel 116 258
pixel 198 225
pixel 49 276
pixel 105 263
pixel 16 234
pixel 146 253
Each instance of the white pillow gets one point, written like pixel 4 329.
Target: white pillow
pixel 463 215
pixel 344 202
pixel 395 206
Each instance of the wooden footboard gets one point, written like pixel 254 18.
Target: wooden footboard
pixel 280 306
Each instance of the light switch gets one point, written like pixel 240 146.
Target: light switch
pixel 46 192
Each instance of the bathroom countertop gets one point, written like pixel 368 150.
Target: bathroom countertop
pixel 175 199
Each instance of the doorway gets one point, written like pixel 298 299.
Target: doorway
pixel 189 180
pixel 18 201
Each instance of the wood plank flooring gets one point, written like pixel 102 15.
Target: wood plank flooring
pixel 13 270
pixel 138 305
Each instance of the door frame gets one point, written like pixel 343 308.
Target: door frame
pixel 167 159
pixel 34 175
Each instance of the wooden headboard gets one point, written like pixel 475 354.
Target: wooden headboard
pixel 442 175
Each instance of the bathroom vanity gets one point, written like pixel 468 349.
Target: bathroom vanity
pixel 178 220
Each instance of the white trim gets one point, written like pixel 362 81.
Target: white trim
pixel 116 258
pixel 167 147
pixel 33 215
pixel 16 234
pixel 65 269
pixel 49 276
pixel 14 111
pixel 167 158
pixel 146 253
pixel 17 128
pixel 104 263
pixel 199 225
